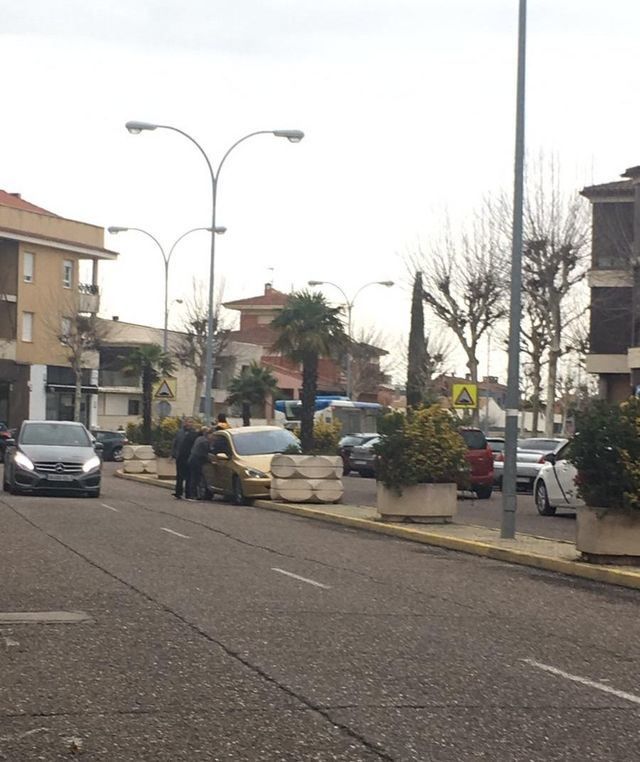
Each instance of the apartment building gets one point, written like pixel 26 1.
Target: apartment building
pixel 614 280
pixel 42 256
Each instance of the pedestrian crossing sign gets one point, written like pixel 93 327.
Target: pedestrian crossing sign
pixel 465 396
pixel 165 388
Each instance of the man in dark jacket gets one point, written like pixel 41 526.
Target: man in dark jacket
pixel 198 457
pixel 181 449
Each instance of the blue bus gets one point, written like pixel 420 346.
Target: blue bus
pixel 354 417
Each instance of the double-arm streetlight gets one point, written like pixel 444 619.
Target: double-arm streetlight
pixel 294 136
pixel 114 229
pixel 349 305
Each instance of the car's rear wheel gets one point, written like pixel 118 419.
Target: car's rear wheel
pixel 238 493
pixel 542 501
pixel 484 492
pixel 117 455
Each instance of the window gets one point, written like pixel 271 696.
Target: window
pixel 133 407
pixel 65 328
pixel 27 326
pixel 28 264
pixel 67 273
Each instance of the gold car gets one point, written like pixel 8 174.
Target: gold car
pixel 240 461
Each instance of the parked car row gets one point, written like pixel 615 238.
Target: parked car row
pixel 361 457
pixel 530 458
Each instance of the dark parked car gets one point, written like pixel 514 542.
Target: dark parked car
pixel 363 458
pixel 346 445
pixel 112 442
pixel 5 434
pixel 480 459
pixel 52 455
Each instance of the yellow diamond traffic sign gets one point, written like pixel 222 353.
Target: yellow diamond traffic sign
pixel 465 396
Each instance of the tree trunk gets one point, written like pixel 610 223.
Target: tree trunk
pixel 195 413
pixel 554 356
pixel 246 414
pixel 77 400
pixel 309 387
pixel 472 364
pixel 146 405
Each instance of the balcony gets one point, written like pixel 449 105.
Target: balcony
pixel 88 298
pixel 118 379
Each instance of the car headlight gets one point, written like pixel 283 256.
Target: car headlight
pixel 255 474
pixel 21 460
pixel 91 464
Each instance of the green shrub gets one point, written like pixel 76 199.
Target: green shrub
pixel 606 454
pixel 421 447
pixel 326 437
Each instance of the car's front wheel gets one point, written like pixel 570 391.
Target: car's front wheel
pixel 542 501
pixel 484 492
pixel 238 493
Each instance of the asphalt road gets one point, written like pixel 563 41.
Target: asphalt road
pixel 362 491
pixel 234 633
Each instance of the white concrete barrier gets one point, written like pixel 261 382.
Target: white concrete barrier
pixel 306 478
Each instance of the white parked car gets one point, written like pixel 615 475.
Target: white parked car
pixel 530 458
pixel 555 485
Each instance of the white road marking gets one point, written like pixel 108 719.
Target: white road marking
pixel 110 507
pixel 177 534
pixel 9 642
pixel 302 579
pixel 584 681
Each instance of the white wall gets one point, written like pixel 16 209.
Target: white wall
pixel 37 392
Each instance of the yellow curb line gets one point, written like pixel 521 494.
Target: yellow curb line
pixel 576 568
pixel 153 481
pixel 593 572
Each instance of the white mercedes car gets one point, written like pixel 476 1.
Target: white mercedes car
pixel 555 485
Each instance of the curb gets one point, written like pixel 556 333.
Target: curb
pixel 595 573
pixel 573 568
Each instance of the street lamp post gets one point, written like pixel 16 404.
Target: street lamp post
pixel 293 136
pixel 349 305
pixel 114 229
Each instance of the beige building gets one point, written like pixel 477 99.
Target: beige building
pixel 41 259
pixel 120 395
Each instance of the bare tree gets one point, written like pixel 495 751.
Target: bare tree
pixel 556 227
pixel 534 343
pixel 465 285
pixel 191 351
pixel 366 373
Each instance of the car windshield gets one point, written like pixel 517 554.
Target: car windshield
pixel 497 445
pixel 55 434
pixel 351 441
pixel 263 442
pixel 539 444
pixel 474 439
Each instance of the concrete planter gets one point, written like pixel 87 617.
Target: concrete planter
pixel 166 468
pixel 428 503
pixel 139 459
pixel 306 478
pixel 604 536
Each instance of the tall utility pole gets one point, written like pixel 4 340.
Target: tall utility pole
pixel 509 494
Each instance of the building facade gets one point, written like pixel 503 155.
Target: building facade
pixel 41 258
pixel 614 281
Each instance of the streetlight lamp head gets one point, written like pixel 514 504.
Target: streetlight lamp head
pixel 315 282
pixel 293 136
pixel 219 229
pixel 113 229
pixel 386 283
pixel 135 128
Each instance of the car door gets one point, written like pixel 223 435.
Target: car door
pixel 561 488
pixel 219 471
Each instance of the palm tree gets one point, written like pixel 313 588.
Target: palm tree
pixel 309 328
pixel 251 387
pixel 149 363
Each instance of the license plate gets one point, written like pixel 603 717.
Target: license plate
pixel 59 478
pixel 359 463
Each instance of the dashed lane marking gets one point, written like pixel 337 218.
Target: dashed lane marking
pixel 583 681
pixel 302 579
pixel 110 507
pixel 177 534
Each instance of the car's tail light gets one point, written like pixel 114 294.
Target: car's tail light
pixel 499 456
pixel 542 459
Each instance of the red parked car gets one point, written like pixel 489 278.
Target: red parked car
pixel 480 459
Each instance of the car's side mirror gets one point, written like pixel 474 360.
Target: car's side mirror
pixel 550 457
pixel 98 446
pixel 10 442
pixel 222 456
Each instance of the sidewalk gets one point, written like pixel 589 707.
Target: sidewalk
pixel 527 550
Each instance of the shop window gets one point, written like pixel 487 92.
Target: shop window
pixel 133 407
pixel 67 273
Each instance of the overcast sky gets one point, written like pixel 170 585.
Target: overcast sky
pixel 407 107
